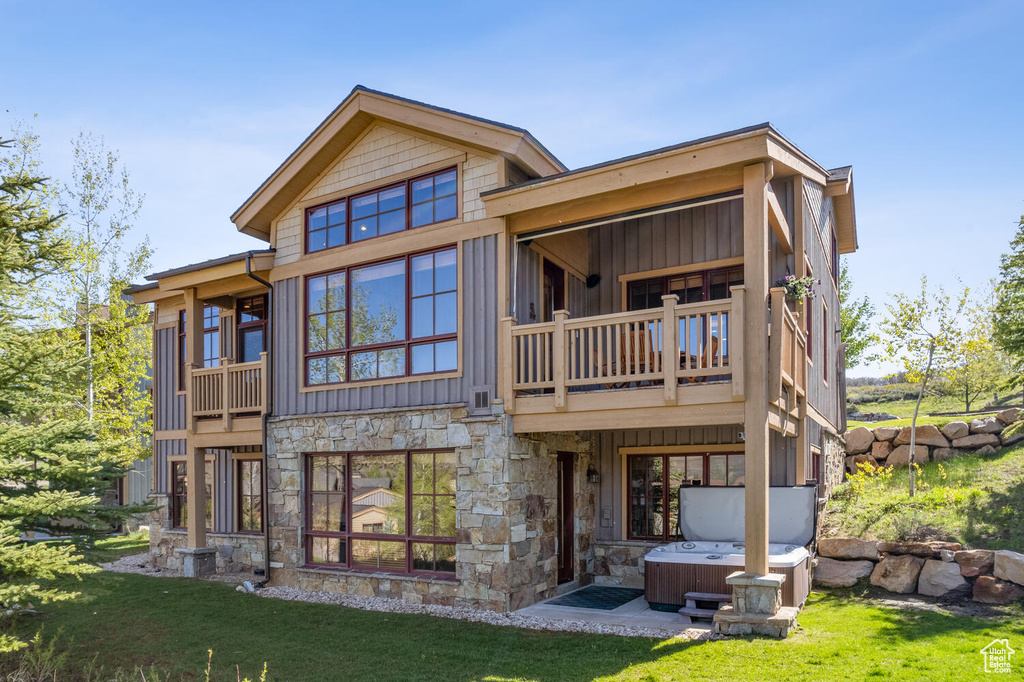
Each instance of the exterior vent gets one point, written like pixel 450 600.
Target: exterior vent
pixel 481 400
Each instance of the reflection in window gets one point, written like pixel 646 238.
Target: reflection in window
pixel 433 199
pixel 252 326
pixel 250 495
pixel 378 213
pixel 211 336
pixel 179 494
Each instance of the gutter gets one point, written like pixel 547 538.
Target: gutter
pixel 269 398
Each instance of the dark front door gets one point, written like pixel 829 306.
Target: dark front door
pixel 566 516
pixel 554 291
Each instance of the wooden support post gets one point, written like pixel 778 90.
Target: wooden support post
pixel 195 490
pixel 559 358
pixel 507 362
pixel 755 322
pixel 799 244
pixel 801 442
pixel 670 347
pixel 193 350
pixel 736 345
pixel 226 394
pixel 264 382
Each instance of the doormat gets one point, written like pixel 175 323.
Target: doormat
pixel 598 597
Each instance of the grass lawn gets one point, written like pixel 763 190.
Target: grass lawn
pixel 921 420
pixel 128 620
pixel 977 500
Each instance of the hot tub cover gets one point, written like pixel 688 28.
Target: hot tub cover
pixel 716 514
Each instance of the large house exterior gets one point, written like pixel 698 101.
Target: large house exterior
pixel 448 371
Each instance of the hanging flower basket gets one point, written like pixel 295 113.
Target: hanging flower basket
pixel 798 289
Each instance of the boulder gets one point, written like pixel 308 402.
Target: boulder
pixel 989 590
pixel 848 548
pixel 887 433
pixel 1010 415
pixel 926 550
pixel 987 425
pixel 1009 439
pixel 852 463
pixel 975 441
pixel 954 430
pixel 939 578
pixel 832 573
pixel 986 450
pixel 897 573
pixel 900 457
pixel 1009 566
pixel 927 434
pixel 859 440
pixel 947 555
pixel 941 454
pixel 974 562
pixel 880 450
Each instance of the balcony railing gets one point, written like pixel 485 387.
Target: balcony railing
pixel 672 346
pixel 228 390
pixel 788 356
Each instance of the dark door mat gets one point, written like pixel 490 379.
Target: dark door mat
pixel 598 597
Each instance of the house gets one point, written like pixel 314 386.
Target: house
pixel 455 371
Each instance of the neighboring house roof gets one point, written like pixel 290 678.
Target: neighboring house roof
pixel 378 497
pixel 360 109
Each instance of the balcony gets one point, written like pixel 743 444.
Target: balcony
pixel 227 399
pixel 676 365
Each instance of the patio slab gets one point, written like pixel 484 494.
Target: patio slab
pixel 635 613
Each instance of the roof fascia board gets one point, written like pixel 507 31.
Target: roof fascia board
pixel 194 278
pixel 780 150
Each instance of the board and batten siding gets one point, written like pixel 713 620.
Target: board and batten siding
pixel 169 405
pixel 223 486
pixel 479 300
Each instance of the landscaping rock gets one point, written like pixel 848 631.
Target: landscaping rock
pixel 1009 416
pixel 853 462
pixel 1009 566
pixel 989 590
pixel 881 450
pixel 975 441
pixel 987 425
pixel 939 578
pixel 954 430
pixel 942 454
pixel 1009 439
pixel 986 450
pixel 900 457
pixel 897 573
pixel 832 573
pixel 974 562
pixel 926 550
pixel 947 555
pixel 887 433
pixel 859 440
pixel 927 434
pixel 848 548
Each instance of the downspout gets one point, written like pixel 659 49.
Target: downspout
pixel 269 400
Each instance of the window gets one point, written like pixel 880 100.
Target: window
pixel 252 328
pixel 249 479
pixel 179 495
pixel 388 319
pixel 824 342
pixel 211 336
pixel 650 497
pixel 710 285
pixel 433 199
pixel 382 511
pixel 181 350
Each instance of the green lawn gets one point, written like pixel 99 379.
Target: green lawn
pixel 129 621
pixel 921 420
pixel 977 500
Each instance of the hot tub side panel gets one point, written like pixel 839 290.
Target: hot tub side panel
pixel 666 584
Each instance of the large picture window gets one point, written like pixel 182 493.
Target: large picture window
pixel 654 482
pixel 381 320
pixel 420 201
pixel 179 494
pixel 382 511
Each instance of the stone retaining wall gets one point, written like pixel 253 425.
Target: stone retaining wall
pixel 236 552
pixel 621 563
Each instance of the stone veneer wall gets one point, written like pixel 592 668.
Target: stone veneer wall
pixel 833 464
pixel 236 552
pixel 621 562
pixel 505 503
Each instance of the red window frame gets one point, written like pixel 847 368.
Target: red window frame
pixel 347 201
pixel 349 535
pixel 179 496
pixel 667 533
pixel 348 349
pixel 255 498
pixel 257 304
pixel 705 276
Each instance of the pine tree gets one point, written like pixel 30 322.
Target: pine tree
pixel 1008 322
pixel 53 469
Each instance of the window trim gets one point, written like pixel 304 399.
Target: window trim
pixel 409 341
pixel 705 266
pixel 362 192
pixel 172 463
pixel 237 464
pixel 350 534
pixel 242 327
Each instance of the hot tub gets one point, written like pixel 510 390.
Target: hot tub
pixel 712 521
pixel 701 566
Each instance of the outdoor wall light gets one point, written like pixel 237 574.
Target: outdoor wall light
pixel 592 475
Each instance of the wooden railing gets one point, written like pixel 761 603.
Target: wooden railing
pixel 788 354
pixel 228 390
pixel 672 345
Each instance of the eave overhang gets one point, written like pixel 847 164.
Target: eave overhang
pixel 840 188
pixel 354 115
pixel 217 277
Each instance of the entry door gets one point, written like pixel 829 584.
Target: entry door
pixel 566 518
pixel 554 291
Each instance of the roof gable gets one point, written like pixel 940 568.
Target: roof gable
pixel 344 126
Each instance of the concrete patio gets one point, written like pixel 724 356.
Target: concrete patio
pixel 632 614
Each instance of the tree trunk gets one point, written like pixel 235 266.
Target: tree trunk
pixel 913 422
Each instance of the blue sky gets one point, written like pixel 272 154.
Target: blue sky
pixel 204 100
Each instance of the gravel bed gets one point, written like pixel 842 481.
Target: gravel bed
pixel 140 564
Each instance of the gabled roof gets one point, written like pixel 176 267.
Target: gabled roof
pixel 360 109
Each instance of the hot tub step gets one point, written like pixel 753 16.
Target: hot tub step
pixel 688 612
pixel 707 596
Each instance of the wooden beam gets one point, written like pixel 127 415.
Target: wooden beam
pixel 755 421
pixel 777 219
pixel 799 237
pixel 709 414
